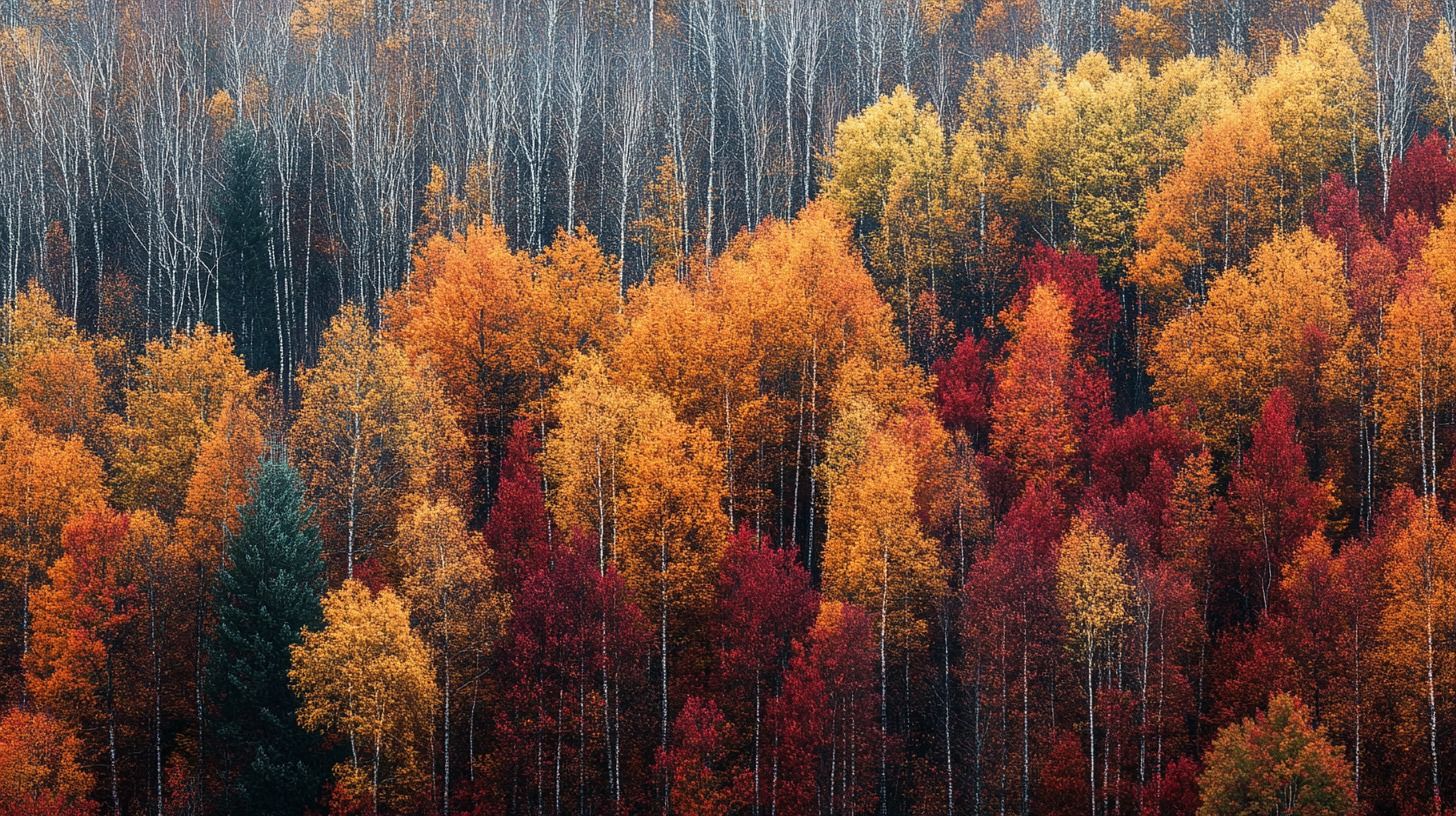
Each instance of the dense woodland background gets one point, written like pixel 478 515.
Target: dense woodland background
pixel 727 407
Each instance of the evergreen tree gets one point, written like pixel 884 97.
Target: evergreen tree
pixel 269 590
pixel 247 306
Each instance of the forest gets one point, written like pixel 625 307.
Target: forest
pixel 727 407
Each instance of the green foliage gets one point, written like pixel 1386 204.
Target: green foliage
pixel 245 283
pixel 269 591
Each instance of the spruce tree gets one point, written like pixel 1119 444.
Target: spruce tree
pixel 268 590
pixel 248 308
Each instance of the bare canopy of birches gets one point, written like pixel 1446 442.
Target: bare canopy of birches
pixel 719 407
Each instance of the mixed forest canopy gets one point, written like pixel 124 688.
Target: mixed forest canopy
pixel 715 407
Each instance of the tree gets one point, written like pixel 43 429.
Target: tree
pixel 47 483
pixel 1438 61
pixel 670 529
pixel 1275 762
pixel 660 230
pixel 518 526
pixel 1418 372
pixel 876 553
pixel 887 172
pixel 459 313
pixel 573 661
pixel 1274 498
pixel 1275 324
pixel 248 295
pixel 365 677
pixel 584 452
pixel 1094 593
pixel 83 619
pixel 176 395
pixel 765 604
pixel 1416 640
pixel 267 593
pixel 227 465
pixel 1208 213
pixel 501 327
pixel 1032 421
pixel 41 769
pixel 826 721
pixel 450 586
pixel 701 779
pixel 963 388
pixel 51 370
pixel 1422 180
pixel 372 432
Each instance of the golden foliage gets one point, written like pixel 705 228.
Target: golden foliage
pixel 372 433
pixel 366 676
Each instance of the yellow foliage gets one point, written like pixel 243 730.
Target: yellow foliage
pixel 1092 585
pixel 372 433
pixel 1416 633
pixel 1224 357
pixel 875 553
pixel 366 676
pixel 449 580
pixel 1417 363
pixel 670 524
pixel 50 368
pixel 1438 61
pixel 227 460
pixel 177 394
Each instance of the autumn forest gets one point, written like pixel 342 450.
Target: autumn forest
pixel 727 407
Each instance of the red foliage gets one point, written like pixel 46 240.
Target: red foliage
pixel 570 626
pixel 1407 237
pixel 1062 777
pixel 1175 791
pixel 1250 665
pixel 1374 280
pixel 701 778
pixel 1094 309
pixel 1273 499
pixel 1336 216
pixel 1423 181
pixel 963 388
pixel 765 604
pixel 517 525
pixel 826 724
pixel 1132 476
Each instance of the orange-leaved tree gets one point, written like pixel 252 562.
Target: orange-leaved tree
pixel 84 622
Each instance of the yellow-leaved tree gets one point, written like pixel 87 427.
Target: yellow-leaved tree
pixel 1417 360
pixel 670 528
pixel 366 677
pixel 176 396
pixel 1416 637
pixel 1095 595
pixel 45 482
pixel 450 585
pixel 888 170
pixel 877 555
pixel 1274 324
pixel 51 370
pixel 373 432
pixel 583 453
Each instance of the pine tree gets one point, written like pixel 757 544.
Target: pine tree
pixel 247 307
pixel 268 592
